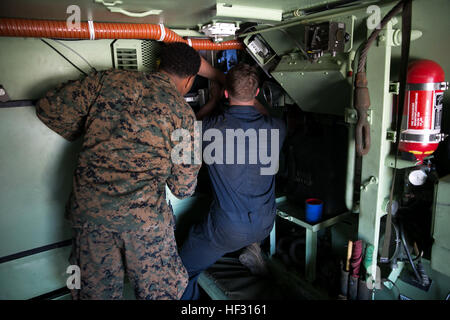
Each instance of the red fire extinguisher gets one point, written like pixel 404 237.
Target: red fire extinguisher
pixel 422 113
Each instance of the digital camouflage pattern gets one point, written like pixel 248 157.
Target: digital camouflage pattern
pixel 127 119
pixel 153 265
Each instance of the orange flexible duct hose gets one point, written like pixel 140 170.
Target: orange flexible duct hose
pixel 58 29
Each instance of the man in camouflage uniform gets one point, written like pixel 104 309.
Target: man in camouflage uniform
pixel 118 205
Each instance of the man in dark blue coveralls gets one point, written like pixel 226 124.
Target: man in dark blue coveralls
pixel 243 210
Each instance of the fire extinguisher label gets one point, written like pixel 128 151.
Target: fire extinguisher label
pixel 419 116
pixel 438 103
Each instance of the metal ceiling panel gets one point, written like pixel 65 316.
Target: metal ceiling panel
pixel 174 14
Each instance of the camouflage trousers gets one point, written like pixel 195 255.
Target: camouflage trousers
pixel 149 258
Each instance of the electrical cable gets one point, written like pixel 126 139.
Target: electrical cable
pixel 423 275
pixel 330 6
pixel 65 58
pixel 363 57
pixel 397 243
pixel 405 246
pixel 397 247
pixel 87 62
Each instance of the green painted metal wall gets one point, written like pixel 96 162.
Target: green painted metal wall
pixel 440 256
pixel 36 183
pixel 37 165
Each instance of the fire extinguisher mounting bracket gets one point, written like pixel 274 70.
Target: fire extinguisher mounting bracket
pixel 401 163
pixel 391 135
pixel 427 86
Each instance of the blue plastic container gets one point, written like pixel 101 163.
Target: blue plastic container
pixel 313 208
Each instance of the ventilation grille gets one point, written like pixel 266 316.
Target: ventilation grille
pixel 126 59
pixel 150 53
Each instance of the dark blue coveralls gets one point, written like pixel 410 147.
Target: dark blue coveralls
pixel 243 210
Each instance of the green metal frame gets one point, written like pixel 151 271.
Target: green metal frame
pixel 373 164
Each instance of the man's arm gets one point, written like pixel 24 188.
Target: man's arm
pixel 183 178
pixel 211 73
pixel 215 93
pixel 217 78
pixel 64 108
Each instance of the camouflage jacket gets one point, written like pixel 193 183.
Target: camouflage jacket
pixel 127 119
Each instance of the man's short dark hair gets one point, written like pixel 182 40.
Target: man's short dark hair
pixel 180 59
pixel 241 82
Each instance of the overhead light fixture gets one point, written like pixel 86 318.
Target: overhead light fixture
pixel 246 12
